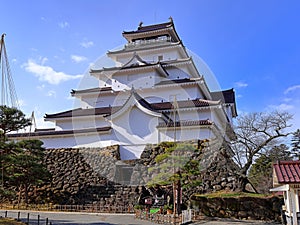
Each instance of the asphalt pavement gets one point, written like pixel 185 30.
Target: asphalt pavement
pixel 69 218
pixel 222 221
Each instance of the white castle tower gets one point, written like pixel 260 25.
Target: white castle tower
pixel 154 93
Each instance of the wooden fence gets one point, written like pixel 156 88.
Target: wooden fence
pixel 167 219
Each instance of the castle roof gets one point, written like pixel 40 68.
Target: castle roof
pixel 51 132
pixel 107 111
pixel 179 81
pixel 91 90
pixel 146 46
pixel 186 123
pixel 151 31
pixel 146 65
pixel 184 104
pixel 227 97
pixel 80 112
pixel 97 90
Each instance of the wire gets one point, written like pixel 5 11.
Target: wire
pixel 8 91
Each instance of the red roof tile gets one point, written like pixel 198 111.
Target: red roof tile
pixel 287 171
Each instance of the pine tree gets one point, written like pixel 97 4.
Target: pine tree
pixel 26 168
pixel 260 174
pixel 11 119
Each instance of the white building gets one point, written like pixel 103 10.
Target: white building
pixel 286 179
pixel 154 93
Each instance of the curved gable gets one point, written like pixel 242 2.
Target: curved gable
pixel 136 100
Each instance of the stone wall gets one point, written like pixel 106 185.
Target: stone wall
pixel 253 208
pixel 88 175
pixel 79 176
pixel 217 169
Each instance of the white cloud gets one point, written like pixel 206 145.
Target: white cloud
pixel 87 44
pixel 47 73
pixel 78 58
pixel 63 24
pixel 281 107
pixel 51 94
pixel 240 84
pixel 43 60
pixel 292 88
pixel 287 99
pixel 41 87
pixel 285 107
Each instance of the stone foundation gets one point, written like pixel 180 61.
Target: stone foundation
pixel 92 175
pixel 244 208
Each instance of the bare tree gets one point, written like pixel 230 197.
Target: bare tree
pixel 255 134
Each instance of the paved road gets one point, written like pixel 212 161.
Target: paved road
pixel 66 218
pixel 218 221
pixel 58 218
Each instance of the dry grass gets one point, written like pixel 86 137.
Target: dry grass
pixel 224 194
pixel 9 221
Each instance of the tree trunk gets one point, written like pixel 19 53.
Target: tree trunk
pixel 242 182
pixel 20 195
pixel 26 193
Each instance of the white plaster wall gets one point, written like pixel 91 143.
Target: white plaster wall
pixel 152 95
pixel 195 115
pixel 135 127
pixel 78 140
pixel 78 123
pixel 219 122
pixel 148 56
pixel 64 124
pixel 96 101
pixel 182 134
pixel 229 113
pixel 177 72
pixel 131 151
pixel 167 93
pixel 138 81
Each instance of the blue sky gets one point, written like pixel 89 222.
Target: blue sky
pixel 252 46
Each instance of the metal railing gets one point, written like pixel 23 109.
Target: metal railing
pixel 97 208
pixel 27 218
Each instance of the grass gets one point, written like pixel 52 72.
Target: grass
pixel 9 221
pixel 154 210
pixel 223 194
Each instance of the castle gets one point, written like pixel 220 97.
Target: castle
pixel 153 93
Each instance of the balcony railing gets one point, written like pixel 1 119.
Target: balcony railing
pixel 142 43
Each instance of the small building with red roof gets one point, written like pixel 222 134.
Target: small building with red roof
pixel 286 178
